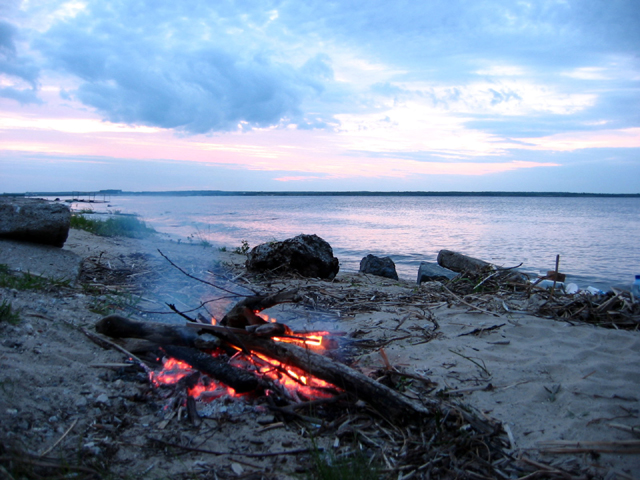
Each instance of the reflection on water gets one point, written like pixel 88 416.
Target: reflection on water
pixel 595 237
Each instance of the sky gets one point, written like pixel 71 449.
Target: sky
pixel 437 95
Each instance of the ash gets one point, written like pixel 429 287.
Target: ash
pixel 224 407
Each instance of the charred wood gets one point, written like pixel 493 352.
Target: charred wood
pixel 117 326
pixel 242 381
pixel 243 312
pixel 388 402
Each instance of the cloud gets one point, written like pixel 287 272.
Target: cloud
pixel 567 142
pixel 333 89
pixel 18 76
pixel 201 66
pixel 298 178
pixel 191 67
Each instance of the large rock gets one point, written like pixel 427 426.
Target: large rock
pixel 381 266
pixel 308 255
pixel 430 272
pixel 34 220
pixel 462 263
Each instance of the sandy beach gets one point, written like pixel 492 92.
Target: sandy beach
pixel 567 395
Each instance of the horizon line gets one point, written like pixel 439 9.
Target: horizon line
pixel 118 192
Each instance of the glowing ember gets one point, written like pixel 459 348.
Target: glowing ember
pixel 293 381
pixel 266 317
pixel 314 340
pixel 173 371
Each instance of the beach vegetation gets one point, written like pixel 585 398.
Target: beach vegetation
pixel 117 226
pixel 243 249
pixel 28 281
pixel 222 249
pixel 200 237
pixel 354 466
pixel 8 314
pixel 108 304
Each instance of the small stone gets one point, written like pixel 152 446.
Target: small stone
pixel 28 328
pixel 265 419
pixel 429 272
pixel 380 266
pixel 53 419
pixel 81 402
pixel 102 399
pixel 11 411
pixel 237 468
pixel 92 449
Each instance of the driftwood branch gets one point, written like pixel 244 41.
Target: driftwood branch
pixel 117 326
pixel 242 314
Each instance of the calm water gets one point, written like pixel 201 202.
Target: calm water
pixel 597 238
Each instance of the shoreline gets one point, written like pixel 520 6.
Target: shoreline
pixel 198 220
pixel 545 379
pixel 407 265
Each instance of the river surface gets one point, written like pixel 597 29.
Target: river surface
pixel 597 238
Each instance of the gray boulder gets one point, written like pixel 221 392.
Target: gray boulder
pixel 34 220
pixel 462 263
pixel 308 255
pixel 430 272
pixel 381 266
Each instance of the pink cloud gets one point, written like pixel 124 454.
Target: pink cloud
pixel 566 142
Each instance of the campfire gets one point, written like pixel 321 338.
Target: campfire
pixel 250 358
pixel 275 376
pixel 252 353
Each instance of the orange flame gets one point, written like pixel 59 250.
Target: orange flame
pixel 266 317
pixel 173 371
pixel 314 340
pixel 292 379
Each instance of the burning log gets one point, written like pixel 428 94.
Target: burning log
pixel 381 397
pixel 182 344
pixel 243 312
pixel 242 381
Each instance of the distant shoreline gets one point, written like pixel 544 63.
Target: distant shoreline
pixel 221 193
